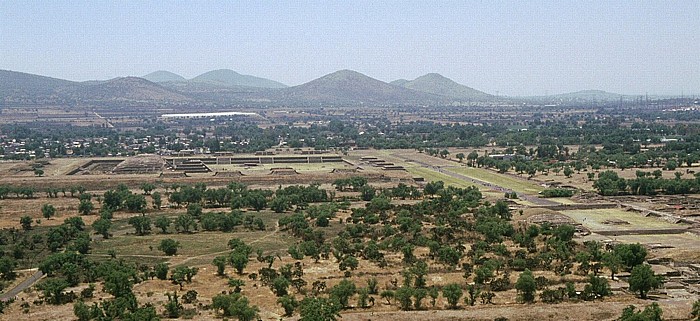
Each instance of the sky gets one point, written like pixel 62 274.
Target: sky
pixel 501 47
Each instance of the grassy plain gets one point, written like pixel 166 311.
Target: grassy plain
pixel 492 177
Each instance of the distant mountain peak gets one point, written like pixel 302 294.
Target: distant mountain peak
pixel 227 77
pixel 163 76
pixel 352 87
pixel 437 84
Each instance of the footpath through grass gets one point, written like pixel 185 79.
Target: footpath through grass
pixel 518 185
pixel 432 176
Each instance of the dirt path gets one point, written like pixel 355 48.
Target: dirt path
pixel 188 259
pixel 446 171
pixel 22 286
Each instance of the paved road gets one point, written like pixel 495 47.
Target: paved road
pixel 22 286
pixel 445 170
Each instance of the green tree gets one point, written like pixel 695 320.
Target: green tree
pixel 526 286
pixel 239 260
pixel 102 226
pixel 280 285
pixel 631 255
pixel 194 210
pixel 387 295
pixel 343 291
pixel 53 290
pixel 173 308
pixel 280 204
pixel 135 203
pixel 236 284
pixel 642 280
pixel 7 268
pixel 141 224
pixel 695 313
pixel 597 287
pixel 85 207
pixel 157 200
pixel 452 293
pixel 26 222
pixel 169 246
pixel 403 295
pixel 161 270
pixel 317 309
pixel 163 223
pixel 651 312
pixel 148 188
pixel 288 303
pixel 184 223
pixel 220 263
pixel 48 210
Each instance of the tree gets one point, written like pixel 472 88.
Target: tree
pixel 343 291
pixel 195 210
pixel 135 203
pixel 173 308
pixel 280 204
pixel 367 193
pixel 85 207
pixel 452 293
pixel 161 270
pixel 141 224
pixel 220 263
pixel 82 311
pixel 162 223
pixel 651 312
pixel 460 156
pixel 236 284
pixel 387 295
pixel 643 279
pixel 288 303
pixel 433 187
pixel 157 200
pixel 182 274
pixel 184 223
pixel 613 262
pixel 7 268
pixel 403 295
pixel 695 313
pixel 568 171
pixel 317 308
pixel 148 188
pixel 26 222
pixel 280 285
pixel 235 305
pixel 597 287
pixel 169 246
pixel 53 290
pixel 48 210
pixel 631 255
pixel 102 226
pixel 526 286
pixel 239 260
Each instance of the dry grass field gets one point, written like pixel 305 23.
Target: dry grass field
pixel 200 247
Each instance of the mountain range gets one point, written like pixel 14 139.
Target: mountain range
pixel 227 87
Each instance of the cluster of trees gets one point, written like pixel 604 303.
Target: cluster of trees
pixel 441 223
pixel 645 183
pixel 557 192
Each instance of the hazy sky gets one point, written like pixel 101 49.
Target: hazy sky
pixel 511 47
